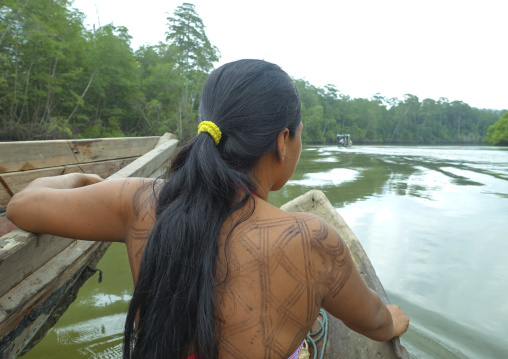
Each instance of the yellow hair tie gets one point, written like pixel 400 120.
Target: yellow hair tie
pixel 212 129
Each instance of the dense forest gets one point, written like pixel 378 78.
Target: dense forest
pixel 381 120
pixel 59 79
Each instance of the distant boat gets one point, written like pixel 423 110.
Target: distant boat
pixel 344 140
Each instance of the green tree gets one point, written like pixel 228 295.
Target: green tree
pixel 112 106
pixel 376 113
pixel 162 82
pixel 195 56
pixel 331 112
pixel 187 33
pixel 312 112
pixel 41 47
pixel 497 134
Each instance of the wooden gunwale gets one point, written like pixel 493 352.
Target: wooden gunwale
pixel 22 162
pixel 38 272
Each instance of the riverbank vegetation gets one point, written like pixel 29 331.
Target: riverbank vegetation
pixel 59 79
pixel 326 113
pixel 497 134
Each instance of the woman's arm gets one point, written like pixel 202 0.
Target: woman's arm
pixel 77 206
pixel 347 297
pixel 362 310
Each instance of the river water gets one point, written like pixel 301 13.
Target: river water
pixel 433 220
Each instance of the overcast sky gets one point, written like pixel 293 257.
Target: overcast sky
pixel 431 49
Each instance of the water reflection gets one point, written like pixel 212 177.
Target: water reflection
pixel 103 300
pixel 93 325
pixel 95 338
pixel 332 177
pixel 433 222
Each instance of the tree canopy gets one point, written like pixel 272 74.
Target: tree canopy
pixel 59 79
pixel 194 55
pixel 497 134
pixel 187 33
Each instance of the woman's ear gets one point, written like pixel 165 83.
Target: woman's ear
pixel 282 139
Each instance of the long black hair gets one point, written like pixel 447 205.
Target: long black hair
pixel 251 101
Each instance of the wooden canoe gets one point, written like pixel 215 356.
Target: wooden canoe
pixel 41 274
pixel 342 342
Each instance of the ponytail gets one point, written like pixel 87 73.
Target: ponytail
pixel 250 101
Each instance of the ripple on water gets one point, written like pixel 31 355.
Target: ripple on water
pixel 442 342
pixel 492 183
pixel 106 350
pixel 98 330
pixel 105 299
pixel 333 177
pixel 328 159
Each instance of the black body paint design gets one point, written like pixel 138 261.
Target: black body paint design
pixel 299 252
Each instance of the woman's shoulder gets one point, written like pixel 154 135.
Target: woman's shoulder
pixel 310 229
pixel 304 239
pixel 269 213
pixel 139 196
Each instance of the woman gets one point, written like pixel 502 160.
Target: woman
pixel 218 271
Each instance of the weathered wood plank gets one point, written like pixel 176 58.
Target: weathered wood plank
pixel 102 168
pixel 111 148
pixel 6 226
pixel 29 155
pixel 5 197
pixel 166 137
pixel 43 154
pixel 58 302
pixel 16 181
pixel 149 163
pixel 36 289
pixel 19 180
pixel 22 253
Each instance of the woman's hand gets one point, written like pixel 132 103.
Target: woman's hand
pixel 92 179
pixel 68 181
pixel 77 205
pixel 399 318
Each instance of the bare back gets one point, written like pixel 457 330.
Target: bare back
pixel 272 273
pixel 275 284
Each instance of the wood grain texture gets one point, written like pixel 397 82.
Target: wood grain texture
pixel 31 155
pixel 5 197
pixel 6 226
pixel 19 180
pixel 23 253
pixel 102 168
pixel 149 163
pixel 111 148
pixel 37 290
